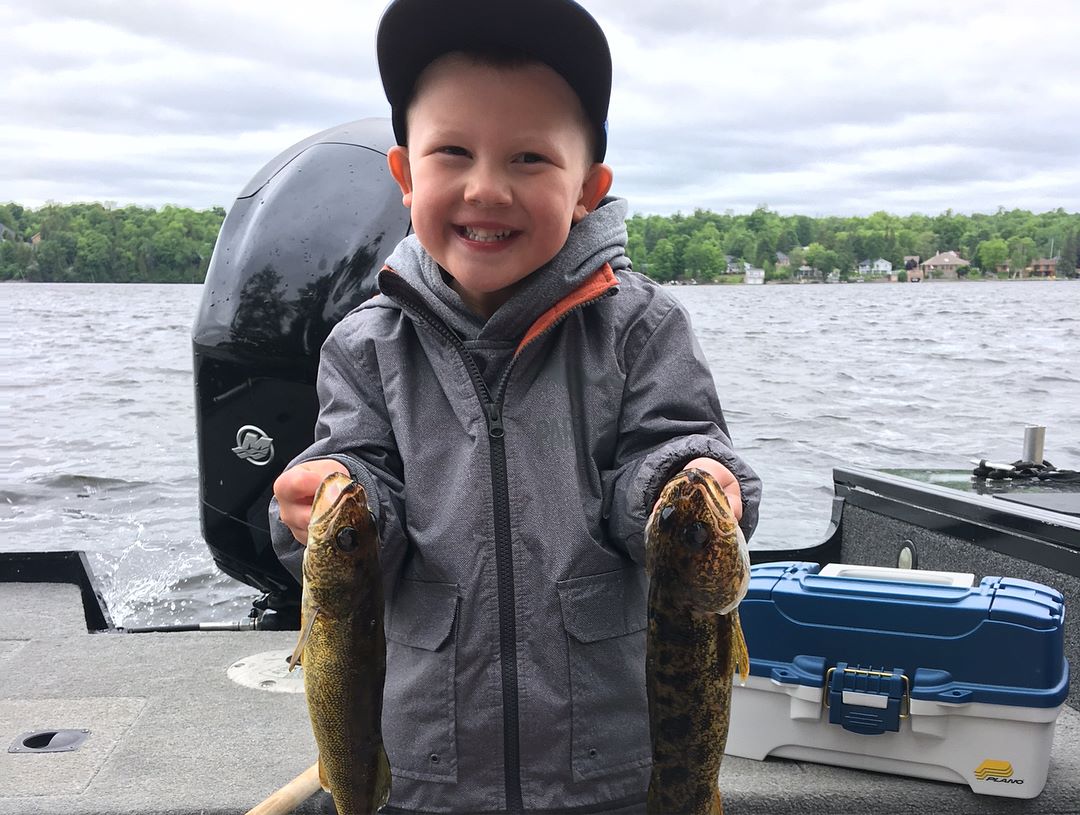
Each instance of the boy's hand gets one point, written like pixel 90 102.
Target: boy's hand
pixel 295 490
pixel 728 483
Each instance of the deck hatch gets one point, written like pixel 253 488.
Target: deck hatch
pixel 49 741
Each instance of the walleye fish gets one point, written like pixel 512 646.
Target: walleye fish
pixel 699 570
pixel 343 648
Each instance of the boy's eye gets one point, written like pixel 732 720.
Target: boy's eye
pixel 453 150
pixel 532 158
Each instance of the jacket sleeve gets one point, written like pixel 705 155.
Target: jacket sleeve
pixel 670 415
pixel 353 427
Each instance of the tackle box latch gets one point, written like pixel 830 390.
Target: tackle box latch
pixel 866 701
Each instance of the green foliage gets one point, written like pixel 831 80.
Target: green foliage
pixel 662 261
pixel 703 258
pixel 686 246
pixel 96 242
pixel 1021 251
pixel 992 253
pixel 101 243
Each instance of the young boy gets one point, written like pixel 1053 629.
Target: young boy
pixel 512 402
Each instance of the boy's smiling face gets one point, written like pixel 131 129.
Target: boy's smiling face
pixel 497 169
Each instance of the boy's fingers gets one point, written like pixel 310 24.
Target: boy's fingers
pixel 297 484
pixel 295 512
pixel 295 490
pixel 297 523
pixel 734 497
pixel 725 478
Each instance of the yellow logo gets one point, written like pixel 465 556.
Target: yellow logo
pixel 993 770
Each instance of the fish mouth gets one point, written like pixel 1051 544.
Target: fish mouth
pixel 717 503
pixel 687 501
pixel 336 489
pixel 714 497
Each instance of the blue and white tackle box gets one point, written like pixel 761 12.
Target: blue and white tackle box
pixel 909 672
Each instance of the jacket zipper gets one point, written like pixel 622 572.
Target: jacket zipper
pixel 500 490
pixel 504 562
pixel 504 569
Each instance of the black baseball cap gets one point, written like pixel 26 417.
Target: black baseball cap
pixel 559 33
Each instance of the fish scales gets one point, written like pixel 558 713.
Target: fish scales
pixel 343 646
pixel 698 572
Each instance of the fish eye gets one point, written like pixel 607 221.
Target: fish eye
pixel 697 535
pixel 666 520
pixel 347 539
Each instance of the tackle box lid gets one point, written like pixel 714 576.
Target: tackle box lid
pixel 1000 642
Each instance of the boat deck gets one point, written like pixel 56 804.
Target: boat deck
pixel 172 733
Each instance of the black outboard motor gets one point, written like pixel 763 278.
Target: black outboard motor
pixel 300 248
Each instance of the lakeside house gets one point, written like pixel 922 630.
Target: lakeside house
pixel 807 274
pixel 911 265
pixel 735 266
pixel 943 264
pixel 876 268
pixel 911 268
pixel 1043 267
pixel 782 260
pixel 754 276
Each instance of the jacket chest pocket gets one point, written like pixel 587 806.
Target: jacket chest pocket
pixel 605 617
pixel 418 702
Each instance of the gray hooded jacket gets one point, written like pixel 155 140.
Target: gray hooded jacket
pixel 511 465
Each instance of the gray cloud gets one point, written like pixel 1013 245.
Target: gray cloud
pixel 753 20
pixel 815 106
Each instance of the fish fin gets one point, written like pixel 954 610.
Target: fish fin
pixel 716 805
pixel 323 780
pixel 382 778
pixel 305 634
pixel 740 656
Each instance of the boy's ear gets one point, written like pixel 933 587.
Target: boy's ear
pixel 398 159
pixel 596 185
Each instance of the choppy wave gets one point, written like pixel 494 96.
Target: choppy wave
pixel 99 431
pixel 931 385
pixel 1069 380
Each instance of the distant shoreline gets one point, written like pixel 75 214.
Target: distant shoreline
pixel 93 243
pixel 666 285
pixel 874 282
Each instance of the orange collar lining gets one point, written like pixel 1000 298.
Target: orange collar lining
pixel 597 283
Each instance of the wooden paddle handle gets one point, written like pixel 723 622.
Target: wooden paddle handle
pixel 289 797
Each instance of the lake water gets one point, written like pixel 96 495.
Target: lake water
pixel 97 426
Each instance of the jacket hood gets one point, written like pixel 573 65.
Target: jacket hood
pixel 597 239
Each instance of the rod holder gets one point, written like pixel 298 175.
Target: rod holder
pixel 1034 440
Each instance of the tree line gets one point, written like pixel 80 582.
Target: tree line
pixel 103 243
pixel 702 246
pixel 90 243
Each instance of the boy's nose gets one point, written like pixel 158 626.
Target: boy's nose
pixel 487 186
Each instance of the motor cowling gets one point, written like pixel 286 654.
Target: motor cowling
pixel 300 248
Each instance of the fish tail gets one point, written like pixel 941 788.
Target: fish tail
pixel 740 656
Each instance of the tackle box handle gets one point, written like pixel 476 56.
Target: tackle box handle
pixel 960 580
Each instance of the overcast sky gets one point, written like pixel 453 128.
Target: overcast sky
pixel 808 106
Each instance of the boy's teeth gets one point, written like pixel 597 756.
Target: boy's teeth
pixel 476 234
